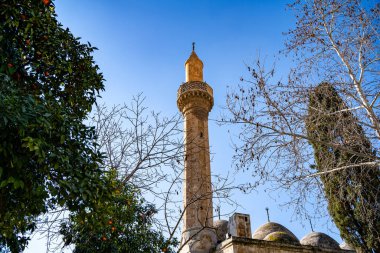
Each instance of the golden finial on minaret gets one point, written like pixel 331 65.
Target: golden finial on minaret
pixel 194 67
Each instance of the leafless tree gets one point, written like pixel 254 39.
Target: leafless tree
pixel 147 149
pixel 336 42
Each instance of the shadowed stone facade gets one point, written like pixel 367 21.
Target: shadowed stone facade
pixel 200 233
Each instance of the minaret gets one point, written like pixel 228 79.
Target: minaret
pixel 195 100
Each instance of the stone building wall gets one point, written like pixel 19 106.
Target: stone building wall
pixel 247 245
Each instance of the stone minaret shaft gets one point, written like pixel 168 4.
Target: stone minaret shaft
pixel 195 100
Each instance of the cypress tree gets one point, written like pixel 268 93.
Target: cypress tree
pixel 353 193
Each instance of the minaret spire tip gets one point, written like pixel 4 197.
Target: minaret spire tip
pixel 193 46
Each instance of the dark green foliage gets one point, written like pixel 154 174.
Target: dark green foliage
pixel 49 83
pixel 353 194
pixel 48 157
pixel 119 224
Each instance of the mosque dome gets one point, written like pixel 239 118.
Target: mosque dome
pixel 321 240
pixel 221 227
pixel 272 231
pixel 282 237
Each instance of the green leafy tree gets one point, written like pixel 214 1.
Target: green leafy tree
pixel 122 223
pixel 353 194
pixel 48 84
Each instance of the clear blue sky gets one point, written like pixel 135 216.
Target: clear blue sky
pixel 143 46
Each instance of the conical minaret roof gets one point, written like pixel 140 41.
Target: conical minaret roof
pixel 194 68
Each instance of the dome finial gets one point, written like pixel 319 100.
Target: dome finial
pixel 267 209
pixel 193 46
pixel 311 225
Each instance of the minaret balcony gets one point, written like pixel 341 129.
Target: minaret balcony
pixel 195 89
pixel 194 86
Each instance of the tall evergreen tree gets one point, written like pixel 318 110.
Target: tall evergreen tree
pixel 344 159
